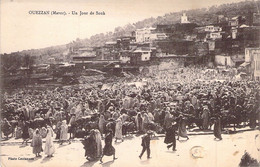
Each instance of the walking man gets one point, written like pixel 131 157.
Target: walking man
pixel 170 139
pixel 146 144
pixel 108 150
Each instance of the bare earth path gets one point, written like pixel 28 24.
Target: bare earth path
pixel 199 151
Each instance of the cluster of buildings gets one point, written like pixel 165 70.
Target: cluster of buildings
pixel 229 42
pixel 223 43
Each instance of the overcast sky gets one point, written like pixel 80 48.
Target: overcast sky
pixel 20 30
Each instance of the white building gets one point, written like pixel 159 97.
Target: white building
pixel 252 57
pixel 184 18
pixel 211 28
pixel 145 54
pixel 234 33
pixel 144 35
pixel 141 55
pixel 214 35
pixel 211 44
pixel 213 32
pixel 158 36
pixel 224 60
pixel 234 21
pixel 147 35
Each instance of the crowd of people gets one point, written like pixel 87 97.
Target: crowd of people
pixel 165 102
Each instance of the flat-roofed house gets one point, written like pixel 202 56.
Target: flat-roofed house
pixel 252 59
pixel 141 55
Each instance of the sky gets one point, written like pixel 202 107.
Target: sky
pixel 20 30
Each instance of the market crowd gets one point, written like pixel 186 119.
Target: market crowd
pixel 164 102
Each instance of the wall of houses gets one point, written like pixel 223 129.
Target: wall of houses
pixel 214 35
pixel 233 22
pixel 211 45
pixel 248 57
pixel 212 28
pixel 143 35
pixel 252 55
pixel 171 63
pixel 158 36
pixel 257 66
pixel 223 60
pixel 146 56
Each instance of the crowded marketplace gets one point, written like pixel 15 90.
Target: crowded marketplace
pixel 170 103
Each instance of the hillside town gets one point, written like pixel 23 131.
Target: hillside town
pixel 186 83
pixel 228 43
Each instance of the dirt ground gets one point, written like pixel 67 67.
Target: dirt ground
pixel 198 151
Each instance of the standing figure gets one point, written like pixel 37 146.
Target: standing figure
pixel 49 146
pixel 99 144
pixel 101 124
pixel 167 119
pixel 37 143
pixel 64 132
pixel 217 128
pixel 139 123
pixel 90 146
pixel 108 150
pixel 156 115
pixel 118 133
pixel 19 129
pixel 6 128
pixel 73 127
pixel 146 144
pixel 145 122
pixel 252 115
pixel 111 125
pixel 57 129
pixel 205 117
pixel 170 137
pixel 182 131
pixel 25 134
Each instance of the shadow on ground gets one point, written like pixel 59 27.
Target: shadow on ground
pixel 89 163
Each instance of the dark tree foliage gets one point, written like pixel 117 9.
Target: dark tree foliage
pixel 10 63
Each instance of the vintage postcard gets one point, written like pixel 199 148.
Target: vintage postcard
pixel 129 83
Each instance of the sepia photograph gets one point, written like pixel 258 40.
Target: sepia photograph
pixel 130 83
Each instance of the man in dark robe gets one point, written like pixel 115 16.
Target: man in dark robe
pixel 252 115
pixel 6 128
pixel 25 134
pixel 90 146
pixel 170 137
pixel 217 128
pixel 108 150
